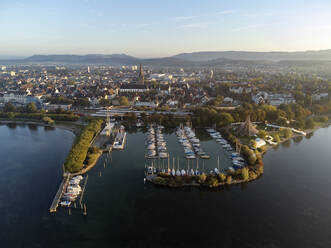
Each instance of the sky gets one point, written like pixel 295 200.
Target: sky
pixel 159 28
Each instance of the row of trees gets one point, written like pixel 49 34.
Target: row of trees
pixel 39 116
pixel 78 153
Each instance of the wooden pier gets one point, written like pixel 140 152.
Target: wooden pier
pixel 59 193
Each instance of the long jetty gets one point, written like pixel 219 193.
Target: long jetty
pixel 59 193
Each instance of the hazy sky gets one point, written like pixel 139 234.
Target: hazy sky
pixel 152 28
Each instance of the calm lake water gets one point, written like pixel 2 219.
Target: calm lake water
pixel 289 206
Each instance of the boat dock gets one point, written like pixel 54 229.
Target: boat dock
pixel 59 193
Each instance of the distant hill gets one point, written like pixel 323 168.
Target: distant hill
pixel 272 56
pixel 117 59
pixel 184 59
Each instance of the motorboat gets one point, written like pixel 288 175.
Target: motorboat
pixel 65 203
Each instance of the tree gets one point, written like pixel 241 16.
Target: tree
pixel 202 178
pixel 252 143
pixel 245 174
pixel 287 133
pixel 225 119
pixel 104 102
pixel 132 117
pixel 276 138
pixel 228 179
pixel 82 102
pixel 309 123
pixel 221 177
pixel 9 107
pixel 48 120
pixel 262 134
pixel 31 107
pixel 11 115
pixel 123 100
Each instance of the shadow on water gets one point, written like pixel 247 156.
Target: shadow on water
pixel 33 127
pixel 11 125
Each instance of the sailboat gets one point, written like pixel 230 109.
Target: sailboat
pixel 197 170
pixel 178 171
pixel 169 171
pixel 173 172
pixel 217 170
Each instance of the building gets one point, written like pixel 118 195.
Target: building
pixel 248 129
pixel 133 88
pixel 141 79
pixel 146 104
pixel 278 99
pixel 240 90
pixel 319 96
pixel 260 142
pixel 260 97
pixel 49 106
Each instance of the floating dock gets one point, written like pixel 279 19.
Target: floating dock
pixel 119 140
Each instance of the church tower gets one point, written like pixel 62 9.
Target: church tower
pixel 141 79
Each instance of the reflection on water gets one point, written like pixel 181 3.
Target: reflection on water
pixel 289 206
pixel 286 143
pixel 49 128
pixel 32 127
pixel 297 139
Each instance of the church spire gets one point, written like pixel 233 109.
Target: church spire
pixel 141 75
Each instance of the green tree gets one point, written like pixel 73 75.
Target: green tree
pixel 31 107
pixel 287 133
pixel 276 138
pixel 123 100
pixel 262 134
pixel 9 107
pixel 225 119
pixel 104 102
pixel 252 143
pixel 309 123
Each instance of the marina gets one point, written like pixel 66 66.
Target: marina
pixel 238 162
pixel 111 212
pixel 156 144
pixel 190 143
pixel 69 191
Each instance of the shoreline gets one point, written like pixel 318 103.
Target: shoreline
pixel 308 131
pixel 73 127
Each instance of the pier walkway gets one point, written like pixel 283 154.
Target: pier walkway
pixel 59 193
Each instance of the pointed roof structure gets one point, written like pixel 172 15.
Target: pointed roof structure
pixel 248 129
pixel 141 79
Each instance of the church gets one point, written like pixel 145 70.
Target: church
pixel 136 87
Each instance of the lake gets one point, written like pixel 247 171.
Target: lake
pixel 289 206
